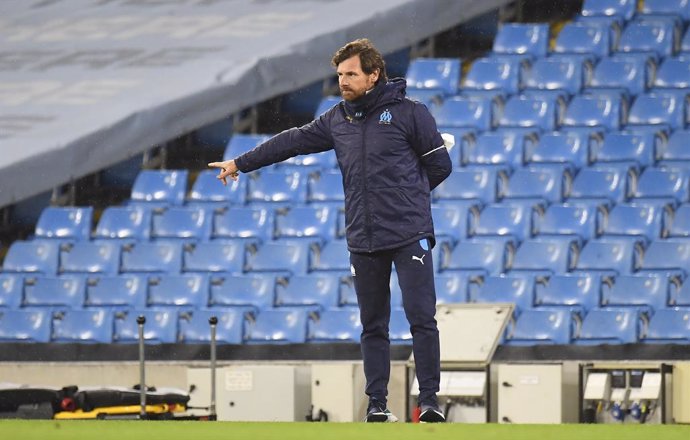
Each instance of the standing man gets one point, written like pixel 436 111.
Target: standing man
pixel 391 156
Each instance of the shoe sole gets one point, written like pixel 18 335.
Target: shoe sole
pixel 381 418
pixel 431 416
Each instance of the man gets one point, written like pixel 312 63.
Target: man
pixel 391 156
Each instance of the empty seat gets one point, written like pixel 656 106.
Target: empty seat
pixel 558 148
pixel 505 219
pixel 676 152
pixel 679 8
pixel 628 149
pixel 672 74
pixel 570 219
pixel 67 292
pixel 72 223
pixel 680 222
pixel 451 220
pixel 621 8
pixel 32 256
pixel 542 256
pixel 578 292
pixel 517 289
pixel 493 74
pixel 543 185
pixel 479 113
pixel 11 290
pixel 658 110
pixel 290 258
pixel 590 39
pixel 540 113
pixel 610 255
pixel 241 143
pixel 194 326
pixel 160 326
pixel 428 97
pixel 306 222
pixel 322 290
pixel 250 223
pixel 663 185
pixel 160 187
pixel 434 73
pixel 221 256
pixel 667 256
pixel 332 256
pixel 536 327
pixel 522 39
pixel 627 75
pixel 326 188
pixel 208 190
pixel 190 291
pixel 600 185
pixel 609 326
pixel 477 185
pixel 286 187
pixel 83 326
pixel 90 257
pixel 656 37
pixel 646 292
pixel 560 75
pixel 151 257
pixel 604 111
pixel 335 325
pixel 119 292
pixel 639 222
pixel 480 255
pixel 452 287
pixel 183 223
pixel 124 222
pixel 256 291
pixel 670 326
pixel 505 150
pixel 25 325
pixel 285 326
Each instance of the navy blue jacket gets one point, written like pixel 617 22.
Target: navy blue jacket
pixel 391 156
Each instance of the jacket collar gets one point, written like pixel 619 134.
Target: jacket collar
pixel 381 94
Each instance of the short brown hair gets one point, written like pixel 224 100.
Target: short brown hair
pixel 369 56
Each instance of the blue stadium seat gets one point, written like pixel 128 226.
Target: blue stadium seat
pixel 452 288
pixel 504 150
pixel 625 9
pixel 505 219
pixel 479 113
pixel 124 222
pixel 55 293
pixel 493 74
pixel 646 292
pixel 606 186
pixel 562 76
pixel 160 326
pixel 672 74
pixel 289 258
pixel 517 289
pixel 621 74
pixel 256 291
pixel 680 292
pixel 676 153
pixel 326 188
pixel 522 39
pixel 348 295
pixel 83 326
pixel 451 220
pixel 322 290
pixel 160 187
pixel 428 97
pixel 241 143
pixel 73 223
pixel 537 327
pixel 541 114
pixel 335 325
pixel 659 110
pixel 589 39
pixel 195 328
pixel 636 221
pixel 25 325
pixel 188 291
pixel 679 8
pixel 669 256
pixel 155 257
pixel 476 185
pixel 680 222
pixel 326 103
pixel 120 292
pixel 38 256
pixel 545 256
pixel 434 73
pixel 399 328
pixel 670 326
pixel 685 44
pixel 11 290
pixel 578 292
pixel 181 223
pixel 90 257
pixel 284 326
pixel 628 149
pixel 663 185
pixel 208 190
pixel 609 326
pixel 543 185
pixel 220 256
pixel 332 256
pixel 558 148
pixel 611 256
pixel 658 38
pixel 277 187
pixel 604 112
pixel 479 255
pixel 325 160
pixel 250 223
pixel 581 222
pixel 312 222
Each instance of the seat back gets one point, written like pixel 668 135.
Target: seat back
pixel 434 73
pixel 166 187
pixel 25 325
pixel 83 326
pixel 65 223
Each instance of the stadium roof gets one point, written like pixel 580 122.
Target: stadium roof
pixel 87 83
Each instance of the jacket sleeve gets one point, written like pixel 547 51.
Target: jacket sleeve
pixel 428 144
pixel 313 137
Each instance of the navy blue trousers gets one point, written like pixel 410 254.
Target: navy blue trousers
pixel 372 273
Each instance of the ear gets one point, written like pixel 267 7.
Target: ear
pixel 375 75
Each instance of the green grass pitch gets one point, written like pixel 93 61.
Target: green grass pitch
pixel 134 430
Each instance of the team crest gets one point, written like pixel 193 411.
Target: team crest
pixel 386 117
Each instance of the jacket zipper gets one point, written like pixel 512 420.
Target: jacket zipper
pixel 367 214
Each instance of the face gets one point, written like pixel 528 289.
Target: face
pixel 352 80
